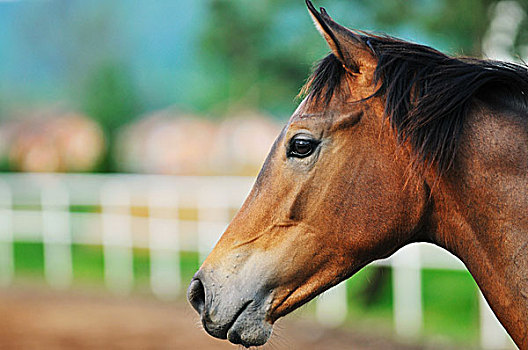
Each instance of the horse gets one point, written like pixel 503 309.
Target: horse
pixel 393 143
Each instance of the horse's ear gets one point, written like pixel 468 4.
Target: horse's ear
pixel 346 45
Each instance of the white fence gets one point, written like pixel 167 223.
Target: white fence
pixel 36 208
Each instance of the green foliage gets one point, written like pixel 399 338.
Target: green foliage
pixel 248 66
pixel 457 26
pixel 259 55
pixel 464 22
pixel 110 96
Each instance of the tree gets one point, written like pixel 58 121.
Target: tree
pixel 255 58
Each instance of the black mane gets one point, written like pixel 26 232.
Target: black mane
pixel 427 93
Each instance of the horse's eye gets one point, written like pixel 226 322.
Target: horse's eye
pixel 301 148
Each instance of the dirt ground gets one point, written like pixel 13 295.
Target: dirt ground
pixel 36 319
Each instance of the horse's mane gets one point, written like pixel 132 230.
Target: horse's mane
pixel 427 93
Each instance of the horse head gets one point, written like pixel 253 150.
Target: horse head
pixel 334 194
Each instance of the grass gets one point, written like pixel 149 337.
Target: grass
pixel 88 263
pixel 29 260
pixel 450 304
pixel 450 299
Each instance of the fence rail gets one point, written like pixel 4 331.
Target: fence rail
pixel 37 208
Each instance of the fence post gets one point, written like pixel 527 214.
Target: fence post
pixel 165 274
pixel 7 262
pixel 407 291
pixel 117 237
pixel 213 218
pixel 492 334
pixel 56 236
pixel 331 307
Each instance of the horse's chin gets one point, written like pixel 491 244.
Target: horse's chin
pixel 249 330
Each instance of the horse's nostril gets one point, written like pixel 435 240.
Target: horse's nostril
pixel 196 295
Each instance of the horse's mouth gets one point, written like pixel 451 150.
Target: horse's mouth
pixel 223 332
pixel 233 317
pixel 248 327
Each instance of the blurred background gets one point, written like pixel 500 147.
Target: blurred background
pixel 130 133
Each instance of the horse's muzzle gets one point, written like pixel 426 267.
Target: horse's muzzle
pixel 233 311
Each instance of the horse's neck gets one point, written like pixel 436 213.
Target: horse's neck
pixel 481 214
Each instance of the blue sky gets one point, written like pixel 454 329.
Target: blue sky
pixel 44 45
